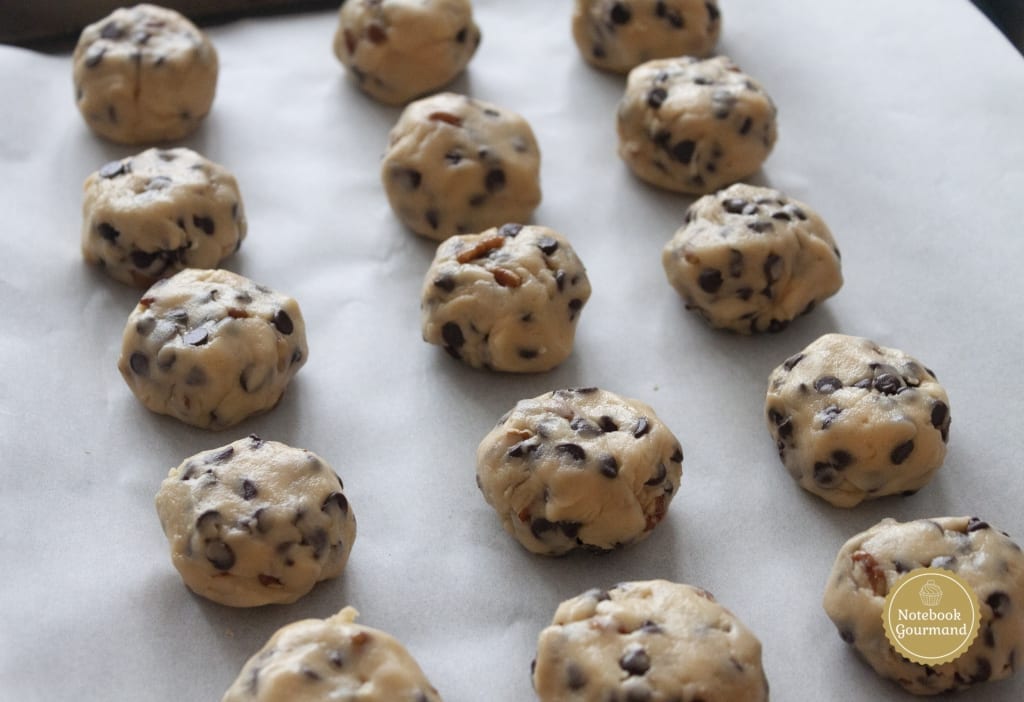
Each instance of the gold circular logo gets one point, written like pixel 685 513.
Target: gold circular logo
pixel 931 616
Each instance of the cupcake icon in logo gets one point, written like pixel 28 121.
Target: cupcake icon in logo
pixel 931 594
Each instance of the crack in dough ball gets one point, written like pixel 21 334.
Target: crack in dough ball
pixel 457 165
pixel 694 126
pixel 618 35
pixel 401 49
pixel 144 74
pixel 507 299
pixel 870 564
pixel 751 260
pixel 153 214
pixel 211 347
pixel 313 660
pixel 255 522
pixel 579 468
pixel 853 420
pixel 656 641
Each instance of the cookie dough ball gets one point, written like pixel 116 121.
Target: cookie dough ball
pixel 331 659
pixel 210 347
pixel 619 35
pixel 255 522
pixel 751 260
pixel 694 126
pixel 153 214
pixel 144 74
pixel 400 49
pixel 579 468
pixel 507 299
pixel 654 641
pixel 854 420
pixel 456 165
pixel 870 563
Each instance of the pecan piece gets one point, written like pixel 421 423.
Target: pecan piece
pixel 494 241
pixel 506 278
pixel 875 575
pixel 446 117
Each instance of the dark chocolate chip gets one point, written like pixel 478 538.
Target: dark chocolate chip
pixel 283 322
pixel 139 363
pixel 112 170
pixel 791 362
pixel 677 455
pixel 584 427
pixel 683 151
pixel 607 423
pixel 745 127
pixel 521 449
pixel 408 178
pixel 785 429
pixel 460 36
pixel 635 661
pixel 433 218
pixel 761 226
pixel 735 205
pixel 527 354
pixel 710 280
pixel 539 526
pixel 94 56
pixel 574 450
pixel 107 231
pixel 494 180
pixel 656 97
pixel 197 336
pixel 888 383
pixel 219 554
pixel 827 384
pixel 841 459
pixel 204 223
pixel 901 452
pixel 575 678
pixel 846 635
pixel 570 529
pixel 659 476
pixel 452 335
pixel 547 245
pixel 143 259
pixel 642 427
pixel 829 415
pixel 560 280
pixel 221 456
pixel 510 230
pixel 575 304
pixel 713 12
pixel 940 411
pixel 248 489
pixel 195 376
pixel 445 282
pixel 609 467
pixel 620 14
pixel 999 603
pixel 975 524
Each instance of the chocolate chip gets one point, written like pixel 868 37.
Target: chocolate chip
pixel 452 335
pixel 547 245
pixel 607 423
pixel 112 170
pixel 609 467
pixel 683 151
pixel 105 229
pixel 139 363
pixel 408 178
pixel 584 427
pixel 901 452
pixel 160 183
pixel 575 304
pixel 376 34
pixel 204 223
pixel 574 450
pixel 710 280
pixel 642 427
pixel 745 127
pixel 560 280
pixel 460 36
pixel 785 429
pixel 888 383
pixel 510 230
pixel 248 489
pixel 521 449
pixel 433 218
pixel 219 554
pixel 827 384
pixel 735 205
pixel 677 455
pixel 975 524
pixel 940 411
pixel 94 56
pixel 221 456
pixel 527 354
pixel 659 476
pixel 846 635
pixel 713 12
pixel 791 362
pixel 197 337
pixel 841 459
pixel 283 322
pixel 999 602
pixel 143 259
pixel 829 415
pixel 494 180
pixel 620 14
pixel 635 661
pixel 195 376
pixel 575 678
pixel 761 226
pixel 656 97
pixel 539 526
pixel 825 474
pixel 445 282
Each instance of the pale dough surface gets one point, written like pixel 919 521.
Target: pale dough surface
pixel 457 165
pixel 655 641
pixel 694 126
pixel 400 49
pixel 579 468
pixel 871 562
pixel 506 299
pixel 255 522
pixel 144 74
pixel 618 35
pixel 853 420
pixel 211 347
pixel 150 215
pixel 751 259
pixel 313 660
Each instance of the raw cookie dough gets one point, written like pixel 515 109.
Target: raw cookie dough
pixel 210 347
pixel 854 420
pixel 655 641
pixel 400 49
pixel 619 35
pixel 144 74
pixel 579 468
pixel 507 299
pixel 870 563
pixel 751 260
pixel 457 165
pixel 150 215
pixel 694 126
pixel 314 660
pixel 255 522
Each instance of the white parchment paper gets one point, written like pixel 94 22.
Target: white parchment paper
pixel 899 121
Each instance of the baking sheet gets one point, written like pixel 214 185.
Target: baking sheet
pixel 903 133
